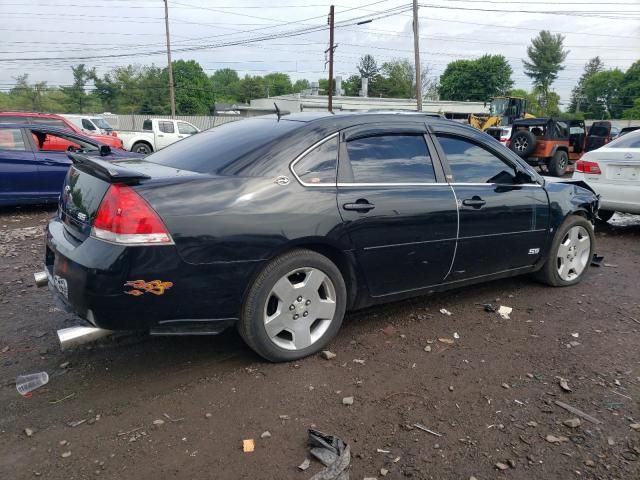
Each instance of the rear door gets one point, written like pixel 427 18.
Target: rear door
pixel 398 211
pixel 52 163
pixel 503 222
pixel 166 134
pixel 599 135
pixel 18 171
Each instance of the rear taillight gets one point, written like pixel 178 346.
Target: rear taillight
pixel 125 217
pixel 586 166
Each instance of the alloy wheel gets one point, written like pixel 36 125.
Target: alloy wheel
pixel 573 253
pixel 300 308
pixel 521 144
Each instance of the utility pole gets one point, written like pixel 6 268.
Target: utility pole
pixel 172 92
pixel 416 48
pixel 330 89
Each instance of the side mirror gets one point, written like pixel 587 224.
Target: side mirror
pixel 105 150
pixel 524 177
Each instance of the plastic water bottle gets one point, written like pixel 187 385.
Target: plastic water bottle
pixel 28 383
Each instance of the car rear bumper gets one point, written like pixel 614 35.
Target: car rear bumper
pixel 141 288
pixel 616 197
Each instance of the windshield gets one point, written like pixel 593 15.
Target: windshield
pixel 630 140
pixel 102 123
pixel 499 106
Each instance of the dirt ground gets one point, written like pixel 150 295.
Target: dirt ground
pixel 180 407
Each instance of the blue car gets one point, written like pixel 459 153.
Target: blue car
pixel 34 161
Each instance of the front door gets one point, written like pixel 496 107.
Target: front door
pixel 397 209
pixel 166 134
pixel 503 221
pixel 18 172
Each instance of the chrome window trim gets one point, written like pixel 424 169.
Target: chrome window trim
pixel 435 184
pixel 303 154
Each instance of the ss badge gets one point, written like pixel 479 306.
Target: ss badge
pixel 534 251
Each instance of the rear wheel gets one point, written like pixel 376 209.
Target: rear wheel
pixel 558 163
pixel 294 307
pixel 570 253
pixel 605 215
pixel 142 148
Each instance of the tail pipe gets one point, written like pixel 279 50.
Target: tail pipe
pixel 74 336
pixel 41 279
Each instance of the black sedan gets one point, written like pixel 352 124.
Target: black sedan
pixel 281 225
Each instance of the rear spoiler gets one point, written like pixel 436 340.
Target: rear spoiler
pixel 107 171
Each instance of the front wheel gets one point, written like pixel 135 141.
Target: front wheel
pixel 142 148
pixel 570 253
pixel 558 163
pixel 294 307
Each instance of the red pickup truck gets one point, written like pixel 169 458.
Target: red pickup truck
pixel 53 120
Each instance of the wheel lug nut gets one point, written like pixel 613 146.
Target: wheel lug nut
pixel 305 314
pixel 308 302
pixel 291 307
pixel 299 299
pixel 295 317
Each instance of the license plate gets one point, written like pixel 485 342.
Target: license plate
pixel 61 285
pixel 624 173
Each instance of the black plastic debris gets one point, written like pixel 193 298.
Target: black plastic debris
pixel 333 453
pixel 488 307
pixel 596 260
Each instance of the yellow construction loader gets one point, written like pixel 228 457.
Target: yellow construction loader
pixel 502 111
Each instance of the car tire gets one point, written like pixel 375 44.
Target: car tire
pixel 605 215
pixel 142 148
pixel 294 307
pixel 570 254
pixel 523 143
pixel 558 164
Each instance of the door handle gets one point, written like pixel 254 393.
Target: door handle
pixel 475 202
pixel 161 135
pixel 359 206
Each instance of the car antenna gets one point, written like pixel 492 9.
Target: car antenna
pixel 277 110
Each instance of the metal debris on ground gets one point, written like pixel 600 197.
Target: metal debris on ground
pixel 578 412
pixel 446 341
pixel 425 429
pixel 489 308
pixel 304 465
pixel 596 260
pixel 333 453
pixel 444 311
pixel 504 312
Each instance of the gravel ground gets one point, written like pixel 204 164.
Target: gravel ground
pixel 180 407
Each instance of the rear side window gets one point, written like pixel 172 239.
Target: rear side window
pixel 390 159
pixel 146 125
pixel 11 139
pixel 319 165
pixel 51 122
pixel 235 143
pixel 166 127
pixel 630 140
pixel 471 163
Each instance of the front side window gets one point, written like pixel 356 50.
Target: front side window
pixel 470 163
pixel 186 129
pixel 86 124
pixel 391 159
pixel 11 139
pixel 319 165
pixel 166 127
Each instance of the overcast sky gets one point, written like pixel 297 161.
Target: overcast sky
pixel 52 30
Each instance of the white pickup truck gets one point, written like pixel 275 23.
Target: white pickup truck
pixel 156 133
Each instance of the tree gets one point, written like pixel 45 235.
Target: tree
pixel 250 88
pixel 630 90
pixel 277 84
pixel 224 83
pixel 301 85
pixel 578 100
pixel 352 86
pixel 546 58
pixel 76 94
pixel 633 113
pixel 603 91
pixel 397 80
pixel 368 68
pixel 194 95
pixel 533 102
pixel 476 80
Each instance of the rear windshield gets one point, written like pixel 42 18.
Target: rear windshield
pixel 213 150
pixel 630 140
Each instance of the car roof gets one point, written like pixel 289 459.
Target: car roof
pixel 31 114
pixel 55 130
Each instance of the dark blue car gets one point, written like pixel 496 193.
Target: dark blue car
pixel 34 161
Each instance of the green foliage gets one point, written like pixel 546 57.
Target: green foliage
pixel 603 92
pixel 368 68
pixel 633 113
pixel 476 80
pixel 534 106
pixel 578 100
pixel 277 84
pixel 352 85
pixel 546 58
pixel 76 95
pixel 194 95
pixel 301 85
